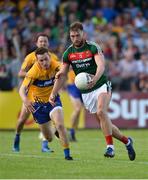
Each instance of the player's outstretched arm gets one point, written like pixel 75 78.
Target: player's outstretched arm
pixel 27 103
pixel 22 73
pixel 60 79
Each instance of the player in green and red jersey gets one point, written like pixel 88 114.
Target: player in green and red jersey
pixel 85 56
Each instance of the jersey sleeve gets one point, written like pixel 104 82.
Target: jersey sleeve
pixel 65 58
pixel 27 82
pixel 28 62
pixel 30 77
pixel 96 49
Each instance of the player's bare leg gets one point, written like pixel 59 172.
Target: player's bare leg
pixel 47 136
pixel 105 123
pixel 77 106
pixel 24 114
pixel 126 140
pixel 57 116
pixel 116 133
pixel 46 130
pixel 53 129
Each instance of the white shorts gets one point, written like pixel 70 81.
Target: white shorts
pixel 90 99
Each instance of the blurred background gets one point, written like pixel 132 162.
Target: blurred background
pixel 119 27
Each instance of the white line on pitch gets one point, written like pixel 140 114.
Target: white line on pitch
pixel 51 157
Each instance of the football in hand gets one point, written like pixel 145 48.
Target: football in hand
pixel 82 79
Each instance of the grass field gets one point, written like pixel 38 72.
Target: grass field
pixel 89 162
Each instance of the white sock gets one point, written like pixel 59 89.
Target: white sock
pixel 128 142
pixel 111 146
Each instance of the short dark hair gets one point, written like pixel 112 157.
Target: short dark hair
pixel 75 26
pixel 41 34
pixel 41 50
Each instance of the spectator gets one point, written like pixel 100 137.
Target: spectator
pixel 128 72
pixel 142 65
pixel 139 20
pixel 98 19
pixel 108 10
pixel 116 25
pixel 5 78
pixel 50 6
pixel 114 74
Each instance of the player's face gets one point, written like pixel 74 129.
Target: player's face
pixel 77 38
pixel 44 60
pixel 42 42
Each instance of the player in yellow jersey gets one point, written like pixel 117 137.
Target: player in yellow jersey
pixel 30 59
pixel 76 100
pixel 35 91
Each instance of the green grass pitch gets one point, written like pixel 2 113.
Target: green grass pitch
pixel 89 162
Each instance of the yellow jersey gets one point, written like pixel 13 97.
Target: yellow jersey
pixel 71 77
pixel 30 59
pixel 39 82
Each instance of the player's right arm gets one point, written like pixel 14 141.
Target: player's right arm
pixel 60 79
pixel 22 73
pixel 23 91
pixel 26 101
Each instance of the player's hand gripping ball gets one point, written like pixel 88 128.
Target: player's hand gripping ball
pixel 82 80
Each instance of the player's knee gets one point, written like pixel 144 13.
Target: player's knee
pixel 101 114
pixel 22 118
pixel 77 110
pixel 22 121
pixel 60 127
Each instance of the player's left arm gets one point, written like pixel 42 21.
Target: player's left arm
pixel 100 62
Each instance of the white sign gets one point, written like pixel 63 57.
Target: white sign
pixel 129 109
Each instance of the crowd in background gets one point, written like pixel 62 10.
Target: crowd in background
pixel 119 27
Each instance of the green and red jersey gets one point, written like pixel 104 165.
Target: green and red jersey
pixel 82 60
